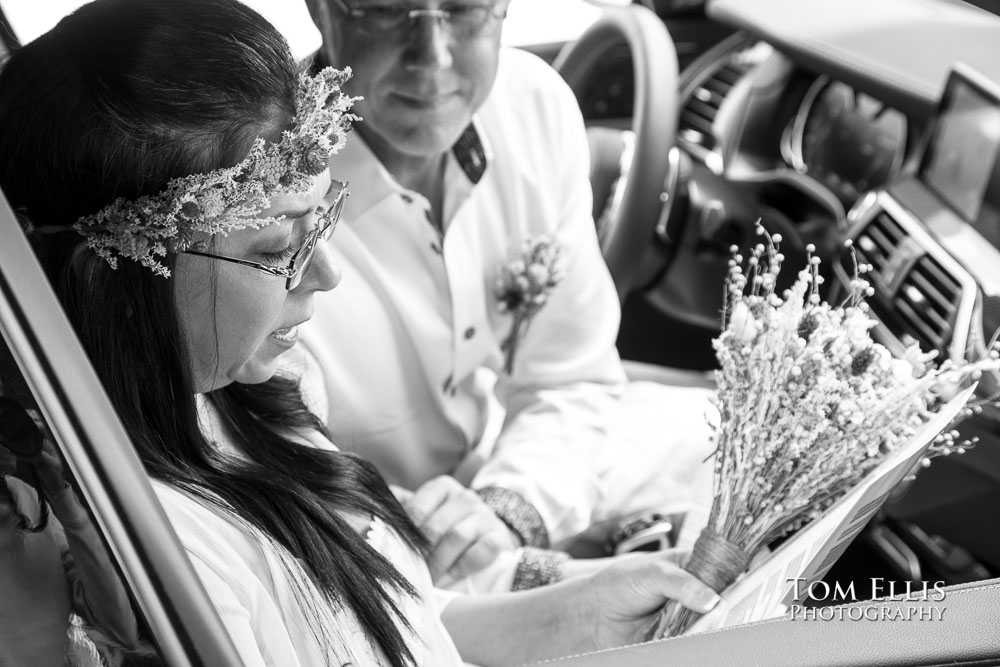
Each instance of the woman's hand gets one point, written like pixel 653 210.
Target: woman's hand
pixel 611 608
pixel 621 601
pixel 464 533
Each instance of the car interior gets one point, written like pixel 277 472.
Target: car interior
pixel 825 132
pixel 876 123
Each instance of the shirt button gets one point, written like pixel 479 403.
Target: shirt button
pixel 470 332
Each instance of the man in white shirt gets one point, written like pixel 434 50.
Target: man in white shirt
pixel 468 152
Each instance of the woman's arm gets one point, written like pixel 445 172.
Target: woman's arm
pixel 611 608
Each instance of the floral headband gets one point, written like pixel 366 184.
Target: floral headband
pixel 228 199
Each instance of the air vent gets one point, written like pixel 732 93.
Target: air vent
pixel 927 301
pixel 699 112
pixel 876 245
pixel 695 126
pixel 916 298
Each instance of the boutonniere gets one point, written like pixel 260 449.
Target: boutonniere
pixel 524 286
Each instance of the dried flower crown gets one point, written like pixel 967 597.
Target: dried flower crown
pixel 227 199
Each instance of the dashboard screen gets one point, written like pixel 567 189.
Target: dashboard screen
pixel 961 164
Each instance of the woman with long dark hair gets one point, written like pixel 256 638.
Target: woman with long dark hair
pixel 169 164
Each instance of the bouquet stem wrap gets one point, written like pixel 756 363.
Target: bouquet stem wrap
pixel 717 562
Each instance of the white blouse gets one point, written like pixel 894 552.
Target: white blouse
pixel 262 593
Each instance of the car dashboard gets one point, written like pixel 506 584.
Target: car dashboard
pixel 830 132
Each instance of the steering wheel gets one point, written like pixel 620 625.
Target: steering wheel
pixel 645 178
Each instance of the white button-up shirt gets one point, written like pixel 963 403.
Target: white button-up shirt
pixel 410 341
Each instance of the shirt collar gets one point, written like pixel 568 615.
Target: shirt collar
pixel 357 163
pixel 472 151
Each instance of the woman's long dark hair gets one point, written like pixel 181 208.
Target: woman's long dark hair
pixel 116 100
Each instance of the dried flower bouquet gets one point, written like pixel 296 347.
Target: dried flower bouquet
pixel 809 404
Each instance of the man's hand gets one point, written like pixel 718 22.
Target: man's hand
pixel 464 534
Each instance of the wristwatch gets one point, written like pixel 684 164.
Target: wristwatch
pixel 648 532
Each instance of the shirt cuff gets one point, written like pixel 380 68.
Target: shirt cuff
pixel 519 515
pixel 538 567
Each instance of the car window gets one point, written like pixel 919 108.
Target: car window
pixel 61 590
pixel 529 22
pixel 535 22
pixel 93 566
pixel 29 19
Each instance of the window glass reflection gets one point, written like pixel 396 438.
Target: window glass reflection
pixel 63 600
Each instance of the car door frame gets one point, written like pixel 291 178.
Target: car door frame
pixel 181 617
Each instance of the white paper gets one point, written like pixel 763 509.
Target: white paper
pixel 767 591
